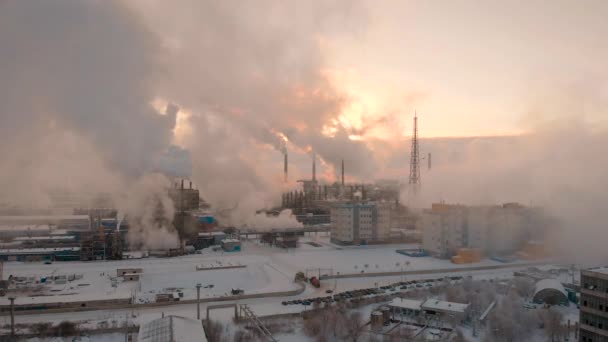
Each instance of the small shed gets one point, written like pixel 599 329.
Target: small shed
pixel 231 245
pixel 131 277
pixel 550 291
pixel 120 272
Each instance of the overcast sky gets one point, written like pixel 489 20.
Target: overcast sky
pixel 475 67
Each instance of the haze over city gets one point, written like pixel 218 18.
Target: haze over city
pixel 288 127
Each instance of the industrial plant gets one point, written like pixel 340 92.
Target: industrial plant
pixel 303 171
pixel 422 261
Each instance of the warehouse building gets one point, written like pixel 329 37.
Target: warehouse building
pixel 40 254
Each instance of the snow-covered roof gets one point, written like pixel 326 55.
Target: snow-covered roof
pixel 549 283
pixel 211 234
pixel 37 250
pixel 23 227
pixel 404 303
pixel 172 329
pixel 49 218
pixel 39 238
pixel 231 240
pixel 603 269
pixel 442 306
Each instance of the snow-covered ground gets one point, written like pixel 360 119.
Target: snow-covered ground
pixel 268 269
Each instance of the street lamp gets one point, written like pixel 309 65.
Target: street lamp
pixel 12 299
pixel 198 301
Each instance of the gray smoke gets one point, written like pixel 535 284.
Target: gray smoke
pixel 84 67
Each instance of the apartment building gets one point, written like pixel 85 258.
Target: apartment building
pixel 360 222
pixel 594 305
pixel 495 230
pixel 444 230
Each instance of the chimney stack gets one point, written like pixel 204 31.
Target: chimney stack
pixel 342 172
pixel 314 167
pixel 182 185
pixel 429 161
pixel 190 185
pixel 285 167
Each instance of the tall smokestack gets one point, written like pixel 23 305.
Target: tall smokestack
pixel 314 167
pixel 342 172
pixel 429 161
pixel 285 167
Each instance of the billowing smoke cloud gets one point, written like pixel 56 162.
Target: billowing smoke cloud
pixel 251 74
pixel 78 83
pixel 149 210
pixel 77 86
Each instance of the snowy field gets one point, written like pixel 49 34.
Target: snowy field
pixel 268 269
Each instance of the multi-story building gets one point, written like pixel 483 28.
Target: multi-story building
pixel 494 230
pixel 594 305
pixel 360 222
pixel 444 229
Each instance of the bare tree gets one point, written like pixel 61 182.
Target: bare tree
pixel 552 323
pixel 214 331
pixel 353 326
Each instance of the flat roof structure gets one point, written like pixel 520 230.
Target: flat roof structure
pixel 25 227
pixel 16 251
pixel 44 218
pixel 602 269
pixel 403 303
pixel 172 329
pixel 45 238
pixel 443 306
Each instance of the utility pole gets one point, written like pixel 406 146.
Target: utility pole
pixel 12 299
pixel 126 327
pixel 198 301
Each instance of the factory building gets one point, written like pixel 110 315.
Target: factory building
pixel 360 222
pixel 594 305
pixel 40 254
pixel 43 225
pixel 185 199
pixel 493 230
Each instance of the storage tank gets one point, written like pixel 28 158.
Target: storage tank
pixel 377 320
pixel 386 314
